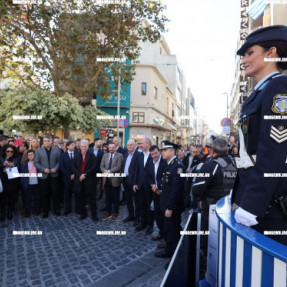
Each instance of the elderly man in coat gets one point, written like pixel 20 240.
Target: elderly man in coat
pixel 84 168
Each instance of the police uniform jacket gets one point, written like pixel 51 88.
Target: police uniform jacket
pixel 172 186
pixel 210 187
pixel 264 125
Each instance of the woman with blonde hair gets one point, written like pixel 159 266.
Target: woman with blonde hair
pixel 34 144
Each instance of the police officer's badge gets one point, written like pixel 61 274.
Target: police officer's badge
pixel 280 104
pixel 278 133
pixel 244 129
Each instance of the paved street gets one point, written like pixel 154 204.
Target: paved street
pixel 70 253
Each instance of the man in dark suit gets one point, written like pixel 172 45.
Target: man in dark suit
pixel 190 161
pixel 84 168
pixel 98 152
pixel 142 187
pixel 117 141
pixel 155 179
pixel 68 176
pixel 112 163
pixel 47 162
pixel 129 167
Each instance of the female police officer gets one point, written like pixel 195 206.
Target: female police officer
pixel 260 187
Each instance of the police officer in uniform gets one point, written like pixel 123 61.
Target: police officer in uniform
pixel 260 191
pixel 215 180
pixel 171 198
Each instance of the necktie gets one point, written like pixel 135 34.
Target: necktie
pixel 110 162
pixel 71 156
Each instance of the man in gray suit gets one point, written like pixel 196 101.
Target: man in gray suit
pixel 112 163
pixel 47 162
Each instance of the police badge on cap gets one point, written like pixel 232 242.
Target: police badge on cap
pixel 168 144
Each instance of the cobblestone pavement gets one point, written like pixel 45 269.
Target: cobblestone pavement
pixel 69 253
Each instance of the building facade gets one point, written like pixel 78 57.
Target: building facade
pixel 162 107
pixel 274 14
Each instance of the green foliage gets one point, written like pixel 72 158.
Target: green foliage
pixel 56 112
pixel 56 44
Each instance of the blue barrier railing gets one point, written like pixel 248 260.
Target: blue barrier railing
pixel 246 257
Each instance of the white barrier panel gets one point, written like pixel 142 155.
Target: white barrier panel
pixel 246 257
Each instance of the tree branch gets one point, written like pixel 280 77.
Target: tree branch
pixel 31 40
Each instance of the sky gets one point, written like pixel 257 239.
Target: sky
pixel 203 35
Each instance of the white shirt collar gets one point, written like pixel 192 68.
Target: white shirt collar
pixel 157 160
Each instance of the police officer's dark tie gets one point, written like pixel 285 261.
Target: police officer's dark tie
pixel 110 162
pixel 71 156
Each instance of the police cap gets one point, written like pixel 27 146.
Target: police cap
pixel 270 33
pixel 168 144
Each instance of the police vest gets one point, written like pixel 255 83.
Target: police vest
pixel 229 172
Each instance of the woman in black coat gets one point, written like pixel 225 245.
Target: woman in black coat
pixel 9 159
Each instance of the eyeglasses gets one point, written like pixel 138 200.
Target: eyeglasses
pixel 9 151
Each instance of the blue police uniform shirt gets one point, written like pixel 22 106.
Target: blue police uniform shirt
pixel 172 186
pixel 263 80
pixel 264 124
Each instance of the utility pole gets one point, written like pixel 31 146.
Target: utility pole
pixel 119 99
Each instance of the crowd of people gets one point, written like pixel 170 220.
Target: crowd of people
pixel 65 176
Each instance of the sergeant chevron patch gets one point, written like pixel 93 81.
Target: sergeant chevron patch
pixel 278 133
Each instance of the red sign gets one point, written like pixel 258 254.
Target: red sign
pixel 226 122
pixel 123 123
pixel 18 142
pixel 103 132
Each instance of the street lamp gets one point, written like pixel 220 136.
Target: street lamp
pixel 119 94
pixel 118 107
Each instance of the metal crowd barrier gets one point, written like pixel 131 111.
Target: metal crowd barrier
pixel 182 268
pixel 246 257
